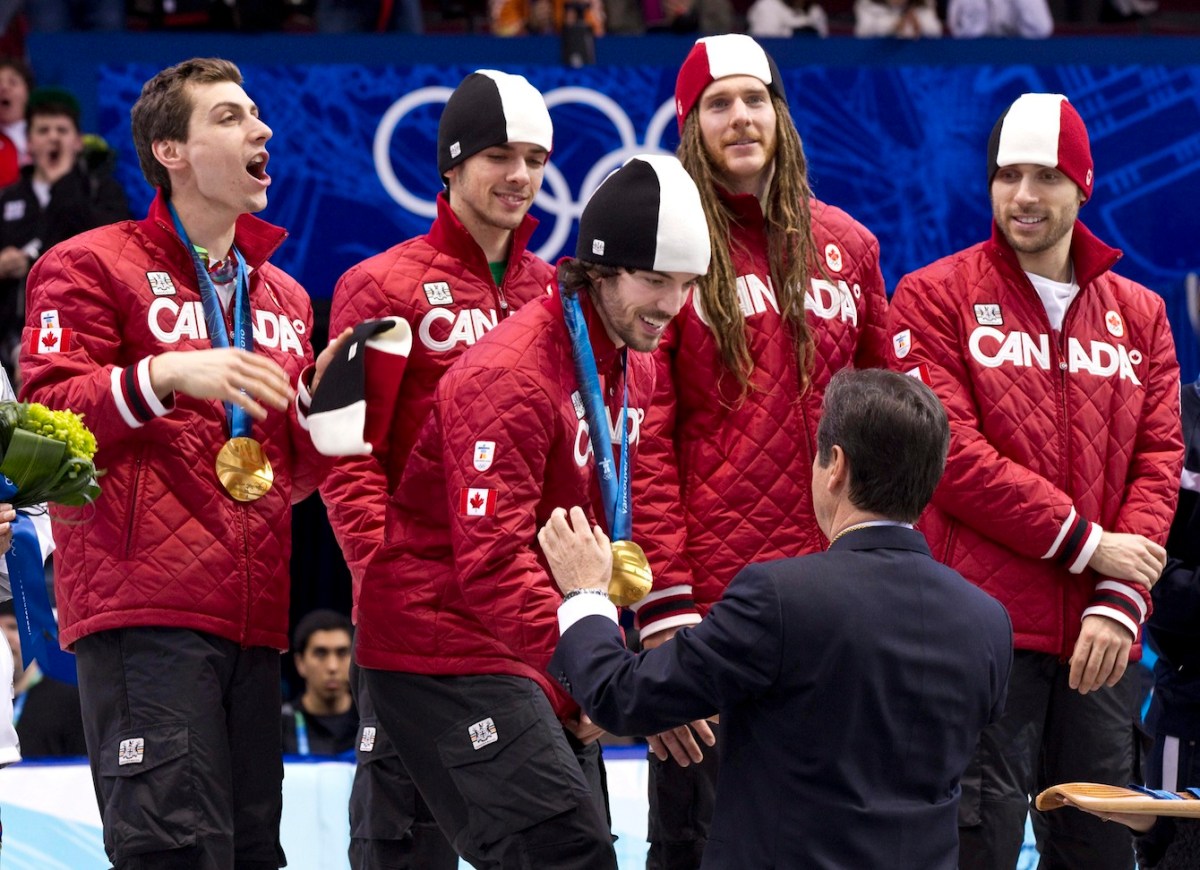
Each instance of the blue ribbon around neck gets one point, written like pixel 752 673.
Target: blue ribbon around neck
pixel 31 603
pixel 614 489
pixel 243 332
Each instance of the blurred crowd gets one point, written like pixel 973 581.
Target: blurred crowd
pixel 762 18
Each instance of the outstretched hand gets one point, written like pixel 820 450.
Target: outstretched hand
pixel 249 380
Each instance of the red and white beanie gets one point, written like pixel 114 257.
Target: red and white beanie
pixel 1045 130
pixel 715 57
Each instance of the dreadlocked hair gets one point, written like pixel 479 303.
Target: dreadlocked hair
pixel 790 247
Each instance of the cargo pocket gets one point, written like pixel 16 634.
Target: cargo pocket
pixel 513 769
pixel 383 799
pixel 146 777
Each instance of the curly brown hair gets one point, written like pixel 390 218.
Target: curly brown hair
pixel 791 250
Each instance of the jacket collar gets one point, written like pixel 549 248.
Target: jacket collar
pixel 882 538
pixel 448 234
pixel 254 237
pixel 745 207
pixel 1090 256
pixel 606 353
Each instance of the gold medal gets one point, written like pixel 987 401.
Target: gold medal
pixel 244 470
pixel 631 577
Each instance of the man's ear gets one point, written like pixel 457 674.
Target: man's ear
pixel 839 471
pixel 168 152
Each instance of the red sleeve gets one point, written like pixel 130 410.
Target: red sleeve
pixel 873 341
pixel 659 522
pixel 356 489
pixel 84 373
pixel 309 467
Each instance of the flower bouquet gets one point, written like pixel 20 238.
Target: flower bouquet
pixel 46 456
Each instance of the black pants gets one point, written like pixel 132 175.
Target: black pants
pixel 183 740
pixel 681 809
pixel 497 769
pixel 1049 734
pixel 391 826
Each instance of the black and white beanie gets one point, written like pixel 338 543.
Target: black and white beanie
pixel 646 215
pixel 351 412
pixel 1044 130
pixel 491 108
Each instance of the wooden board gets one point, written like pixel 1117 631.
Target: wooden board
pixel 1114 799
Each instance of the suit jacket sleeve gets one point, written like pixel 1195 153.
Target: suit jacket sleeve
pixel 733 655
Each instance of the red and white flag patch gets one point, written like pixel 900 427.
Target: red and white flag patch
pixel 49 341
pixel 476 502
pixel 921 373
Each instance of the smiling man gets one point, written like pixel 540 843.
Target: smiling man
pixel 450 286
pixel 1060 381
pixel 457 611
pixel 794 295
pixel 188 354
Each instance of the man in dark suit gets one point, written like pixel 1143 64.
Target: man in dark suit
pixel 852 684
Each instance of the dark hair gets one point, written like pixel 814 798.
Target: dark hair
pixel 319 620
pixel 894 433
pixel 52 102
pixel 164 109
pixel 20 68
pixel 575 274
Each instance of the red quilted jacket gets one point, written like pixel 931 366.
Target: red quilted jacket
pixel 1054 436
pixel 442 285
pixel 741 469
pixel 165 545
pixel 460 585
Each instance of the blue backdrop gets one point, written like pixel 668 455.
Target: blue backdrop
pixel 895 134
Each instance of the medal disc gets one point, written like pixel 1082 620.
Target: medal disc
pixel 244 470
pixel 631 577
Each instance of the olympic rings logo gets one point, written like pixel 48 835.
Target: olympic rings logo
pixel 555 198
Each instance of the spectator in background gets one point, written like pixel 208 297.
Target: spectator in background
pixel 57 16
pixel 322 719
pixel 1027 18
pixel 45 710
pixel 369 16
pixel 60 194
pixel 780 18
pixel 522 17
pixel 16 81
pixel 907 19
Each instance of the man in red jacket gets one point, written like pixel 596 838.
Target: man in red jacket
pixel 1060 381
pixel 457 617
pixel 187 353
pixel 794 295
pixel 450 286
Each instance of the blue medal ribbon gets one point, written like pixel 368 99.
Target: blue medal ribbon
pixel 614 488
pixel 243 332
pixel 35 618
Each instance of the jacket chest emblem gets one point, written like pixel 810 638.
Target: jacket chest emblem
pixel 161 283
pixel 988 314
pixel 1114 324
pixel 438 293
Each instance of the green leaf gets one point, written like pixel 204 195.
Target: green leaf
pixel 32 461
